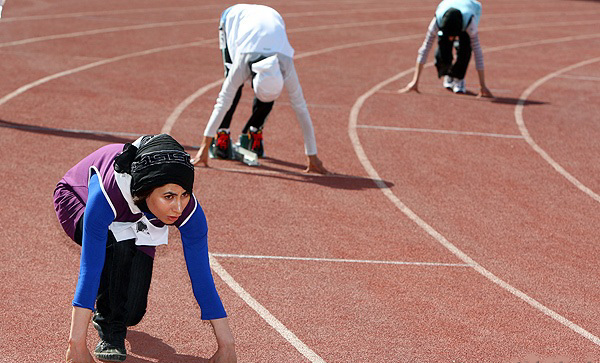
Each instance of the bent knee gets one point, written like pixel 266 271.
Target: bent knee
pixel 135 317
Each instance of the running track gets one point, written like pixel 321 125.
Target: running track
pixel 454 230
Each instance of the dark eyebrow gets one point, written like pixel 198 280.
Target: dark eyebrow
pixel 169 193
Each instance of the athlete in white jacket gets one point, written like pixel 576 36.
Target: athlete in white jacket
pixel 255 47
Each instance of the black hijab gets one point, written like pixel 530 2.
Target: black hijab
pixel 451 23
pixel 159 160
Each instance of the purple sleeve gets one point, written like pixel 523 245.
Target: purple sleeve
pixel 96 219
pixel 195 249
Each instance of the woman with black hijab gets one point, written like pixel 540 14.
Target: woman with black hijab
pixel 117 203
pixel 455 25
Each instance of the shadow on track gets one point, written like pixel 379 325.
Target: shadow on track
pixel 514 101
pixel 105 136
pixel 270 168
pixel 152 349
pixel 503 100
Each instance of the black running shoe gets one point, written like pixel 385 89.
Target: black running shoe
pixel 109 352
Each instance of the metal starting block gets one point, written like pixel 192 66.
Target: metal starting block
pixel 244 155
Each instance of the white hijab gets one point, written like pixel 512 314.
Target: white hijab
pixel 268 82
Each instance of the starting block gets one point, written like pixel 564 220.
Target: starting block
pixel 244 155
pixel 238 151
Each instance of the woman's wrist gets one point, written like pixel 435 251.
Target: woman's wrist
pixel 80 318
pixel 223 333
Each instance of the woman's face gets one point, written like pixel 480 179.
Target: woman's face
pixel 167 202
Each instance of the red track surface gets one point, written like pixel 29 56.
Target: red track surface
pixel 490 230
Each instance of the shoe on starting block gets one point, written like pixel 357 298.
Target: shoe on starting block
pixel 253 141
pixel 220 147
pixel 243 148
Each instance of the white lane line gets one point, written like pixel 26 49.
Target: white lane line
pixel 529 14
pixel 525 44
pixel 71 71
pixel 187 22
pixel 364 160
pixel 396 9
pixel 433 131
pixel 264 313
pixel 107 12
pixel 172 119
pixel 285 15
pixel 315 259
pixel 190 99
pixel 168 125
pixel 353 25
pixel 494 28
pixel 543 42
pixel 583 78
pixel 358 44
pixel 295 30
pixel 538 25
pixel 105 30
pixel 525 132
pixel 188 8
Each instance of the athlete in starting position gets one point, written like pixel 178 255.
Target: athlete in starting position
pixel 117 203
pixel 255 47
pixel 455 24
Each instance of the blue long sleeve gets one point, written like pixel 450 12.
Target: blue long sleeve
pixel 195 249
pixel 96 219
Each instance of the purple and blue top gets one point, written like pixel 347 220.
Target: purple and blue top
pixel 92 186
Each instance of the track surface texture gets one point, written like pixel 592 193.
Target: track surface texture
pixel 454 229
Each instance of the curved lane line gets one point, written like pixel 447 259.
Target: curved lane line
pixel 168 125
pixel 190 99
pixel 264 313
pixel 285 15
pixel 364 160
pixel 296 30
pixel 170 122
pixel 84 67
pixel 108 12
pixel 298 344
pixel 104 31
pixel 172 119
pixel 531 43
pixel 525 132
pixel 434 131
pixel 182 8
pixel 582 78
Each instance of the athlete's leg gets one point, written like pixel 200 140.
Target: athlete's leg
pixel 463 56
pixel 443 56
pixel 260 112
pixel 139 284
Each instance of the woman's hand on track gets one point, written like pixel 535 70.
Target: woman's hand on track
pixel 315 165
pixel 412 86
pixel 78 353
pixel 202 155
